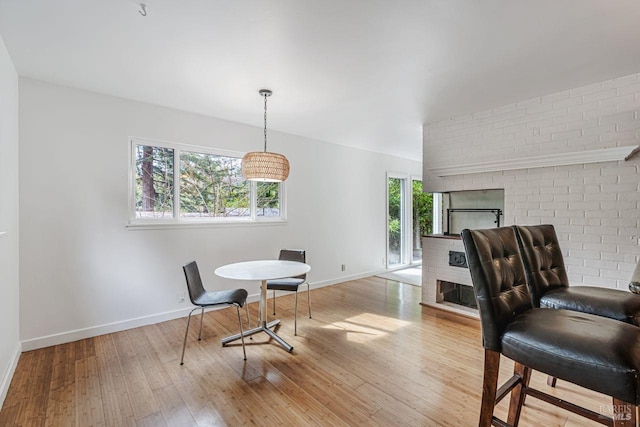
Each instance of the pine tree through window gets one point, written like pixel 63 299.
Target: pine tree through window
pixel 208 187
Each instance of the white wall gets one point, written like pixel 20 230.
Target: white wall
pixel 9 231
pixel 81 268
pixel 595 207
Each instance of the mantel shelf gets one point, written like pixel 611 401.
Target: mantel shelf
pixel 562 159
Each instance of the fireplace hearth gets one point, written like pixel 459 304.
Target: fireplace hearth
pixel 457 293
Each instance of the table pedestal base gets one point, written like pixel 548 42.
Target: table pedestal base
pixel 264 327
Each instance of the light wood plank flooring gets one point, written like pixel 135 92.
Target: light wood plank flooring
pixel 370 356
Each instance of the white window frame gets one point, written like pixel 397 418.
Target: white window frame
pixel 177 221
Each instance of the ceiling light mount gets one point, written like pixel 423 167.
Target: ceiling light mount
pixel 265 166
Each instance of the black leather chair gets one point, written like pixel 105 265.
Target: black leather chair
pixel 591 351
pixel 549 285
pixel 202 299
pixel 291 284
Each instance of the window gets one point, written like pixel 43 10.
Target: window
pixel 175 183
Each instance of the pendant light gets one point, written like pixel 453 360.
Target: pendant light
pixel 263 165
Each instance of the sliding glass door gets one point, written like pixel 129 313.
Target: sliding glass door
pixel 409 217
pixel 422 217
pixel 396 223
pixel 417 218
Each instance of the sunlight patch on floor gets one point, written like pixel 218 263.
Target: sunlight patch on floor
pixel 367 326
pixel 410 276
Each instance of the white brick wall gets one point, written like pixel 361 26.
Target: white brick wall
pixel 595 207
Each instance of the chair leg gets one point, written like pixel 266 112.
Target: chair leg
pixel 295 316
pixel 489 387
pixel 274 302
pixel 518 394
pixel 201 318
pixel 309 298
pixel 624 414
pixel 248 317
pixel 186 333
pixel 241 332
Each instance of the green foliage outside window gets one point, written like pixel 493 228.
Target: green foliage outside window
pixel 422 209
pixel 268 199
pixel 422 216
pixel 210 186
pixel 154 182
pixel 395 214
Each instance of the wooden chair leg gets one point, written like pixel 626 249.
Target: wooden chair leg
pixel 551 381
pixel 489 387
pixel 518 394
pixel 624 414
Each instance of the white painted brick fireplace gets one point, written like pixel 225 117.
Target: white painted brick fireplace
pixel 595 206
pixel 435 267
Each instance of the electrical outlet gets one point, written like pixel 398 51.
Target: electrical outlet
pixel 344 267
pixel 180 297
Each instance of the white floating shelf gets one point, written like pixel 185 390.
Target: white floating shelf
pixel 561 159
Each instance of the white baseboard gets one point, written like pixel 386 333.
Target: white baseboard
pixel 8 375
pixel 94 331
pixel 343 279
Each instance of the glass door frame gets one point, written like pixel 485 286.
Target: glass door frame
pixel 406 220
pixel 410 232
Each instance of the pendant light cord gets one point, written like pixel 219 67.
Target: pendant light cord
pixel 265 122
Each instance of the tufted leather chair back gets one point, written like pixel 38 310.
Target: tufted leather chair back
pixel 498 280
pixel 542 258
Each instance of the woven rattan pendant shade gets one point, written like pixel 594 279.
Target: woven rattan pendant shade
pixel 265 166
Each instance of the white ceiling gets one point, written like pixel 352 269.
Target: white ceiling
pixel 364 73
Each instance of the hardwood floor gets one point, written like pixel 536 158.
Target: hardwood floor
pixel 371 356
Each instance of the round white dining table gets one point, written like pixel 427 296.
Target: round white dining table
pixel 262 271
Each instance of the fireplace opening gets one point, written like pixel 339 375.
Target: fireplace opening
pixel 457 293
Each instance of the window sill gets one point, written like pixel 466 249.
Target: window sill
pixel 135 226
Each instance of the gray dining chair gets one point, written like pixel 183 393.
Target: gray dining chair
pixel 291 284
pixel 202 299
